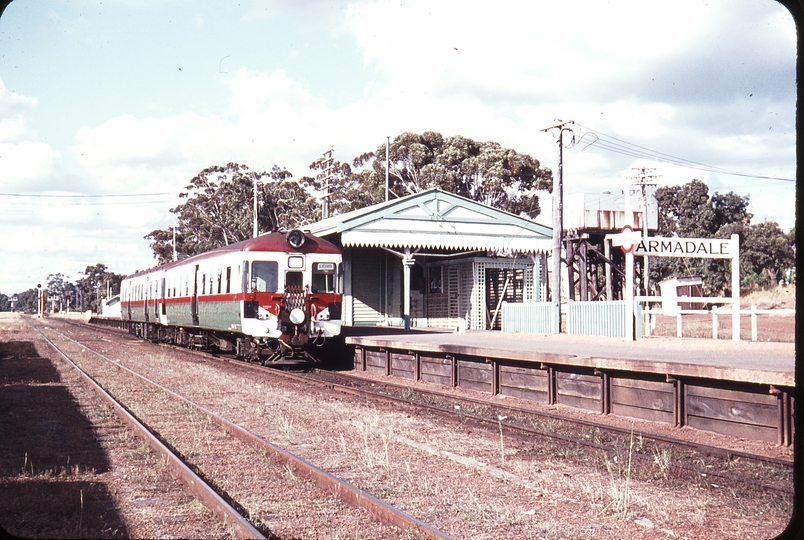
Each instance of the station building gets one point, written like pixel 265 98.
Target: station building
pixel 436 260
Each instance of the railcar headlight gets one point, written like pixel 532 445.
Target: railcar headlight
pixel 297 316
pixel 296 238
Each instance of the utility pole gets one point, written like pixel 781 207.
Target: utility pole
pixel 645 179
pixel 325 177
pixel 387 164
pixel 558 217
pixel 256 226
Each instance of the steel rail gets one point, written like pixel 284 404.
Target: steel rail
pixel 707 449
pixel 345 491
pixel 698 447
pixel 178 469
pixel 551 435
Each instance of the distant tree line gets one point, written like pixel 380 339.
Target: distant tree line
pixel 219 203
pixel 85 294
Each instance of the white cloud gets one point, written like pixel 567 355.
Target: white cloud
pixel 524 49
pixel 25 165
pixel 13 109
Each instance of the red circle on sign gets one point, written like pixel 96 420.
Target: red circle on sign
pixel 627 247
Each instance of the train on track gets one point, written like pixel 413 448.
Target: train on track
pixel 270 299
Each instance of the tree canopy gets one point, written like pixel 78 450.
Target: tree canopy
pixel 482 171
pixel 688 211
pixel 97 283
pixel 219 209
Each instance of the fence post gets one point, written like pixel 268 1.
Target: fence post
pixel 646 323
pixel 714 322
pixel 638 320
pixel 754 333
pixel 678 324
pixel 555 326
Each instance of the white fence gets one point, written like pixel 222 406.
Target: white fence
pixel 531 317
pixel 648 315
pixel 608 318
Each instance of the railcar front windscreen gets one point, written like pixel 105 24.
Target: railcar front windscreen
pixel 264 276
pixel 324 278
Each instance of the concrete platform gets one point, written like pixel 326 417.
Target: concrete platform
pixel 740 361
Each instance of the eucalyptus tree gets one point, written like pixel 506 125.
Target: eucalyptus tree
pixel 688 211
pixel 219 209
pixel 482 171
pixel 767 255
pixel 97 283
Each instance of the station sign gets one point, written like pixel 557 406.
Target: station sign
pixel 626 239
pixel 706 248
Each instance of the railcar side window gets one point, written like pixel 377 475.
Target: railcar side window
pixel 324 277
pixel 228 279
pixel 264 276
pixel 246 281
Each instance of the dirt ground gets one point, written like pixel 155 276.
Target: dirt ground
pixel 68 466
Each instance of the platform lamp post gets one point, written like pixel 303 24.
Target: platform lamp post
pixel 629 268
pixel 256 226
pixel 40 301
pixel 175 255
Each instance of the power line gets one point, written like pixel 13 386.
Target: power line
pixel 619 146
pixel 65 196
pixel 79 204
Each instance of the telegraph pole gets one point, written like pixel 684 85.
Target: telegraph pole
pixel 645 179
pixel 558 218
pixel 387 164
pixel 256 226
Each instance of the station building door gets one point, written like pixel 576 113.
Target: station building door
pixel 468 293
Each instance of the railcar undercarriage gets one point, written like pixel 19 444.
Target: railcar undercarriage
pixel 265 351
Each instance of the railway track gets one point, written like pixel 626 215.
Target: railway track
pixel 673 466
pixel 177 467
pixel 690 458
pixel 203 483
pixel 714 462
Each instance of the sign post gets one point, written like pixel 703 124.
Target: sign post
pixel 626 240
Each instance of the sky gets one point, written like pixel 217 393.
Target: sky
pixel 108 109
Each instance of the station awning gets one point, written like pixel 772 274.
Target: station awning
pixel 437 220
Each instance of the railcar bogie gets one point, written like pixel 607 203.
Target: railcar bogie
pixel 269 300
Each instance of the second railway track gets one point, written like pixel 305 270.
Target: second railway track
pixel 238 464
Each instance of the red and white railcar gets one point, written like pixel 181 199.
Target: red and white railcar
pixel 268 299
